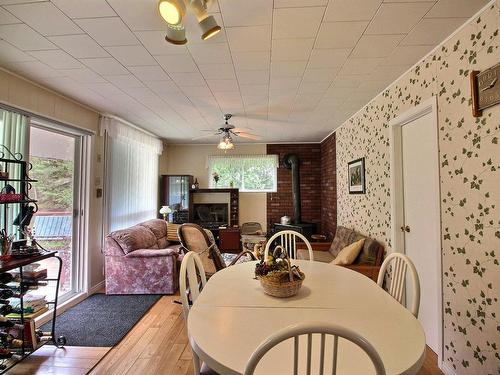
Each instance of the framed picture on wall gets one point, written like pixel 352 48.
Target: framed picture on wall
pixel 356 176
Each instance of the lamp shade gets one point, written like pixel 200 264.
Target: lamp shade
pixel 165 210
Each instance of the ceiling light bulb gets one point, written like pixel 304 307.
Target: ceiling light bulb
pixel 172 11
pixel 226 143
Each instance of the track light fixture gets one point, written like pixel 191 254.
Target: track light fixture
pixel 173 12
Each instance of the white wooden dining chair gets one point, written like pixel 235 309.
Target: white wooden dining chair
pixel 288 239
pixel 191 275
pixel 192 280
pixel 400 265
pixel 309 329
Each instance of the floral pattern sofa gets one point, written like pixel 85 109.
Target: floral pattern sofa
pixel 140 260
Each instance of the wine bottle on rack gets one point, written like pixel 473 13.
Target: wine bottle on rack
pixel 6 293
pixel 5 309
pixel 6 323
pixel 6 278
pixel 10 340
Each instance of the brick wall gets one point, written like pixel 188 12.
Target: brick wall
pixel 318 187
pixel 280 203
pixel 328 187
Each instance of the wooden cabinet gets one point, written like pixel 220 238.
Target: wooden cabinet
pixel 229 240
pixel 174 192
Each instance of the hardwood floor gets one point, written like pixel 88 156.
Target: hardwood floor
pixel 158 344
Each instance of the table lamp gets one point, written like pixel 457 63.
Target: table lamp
pixel 165 210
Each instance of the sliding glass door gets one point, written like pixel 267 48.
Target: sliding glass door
pixel 56 157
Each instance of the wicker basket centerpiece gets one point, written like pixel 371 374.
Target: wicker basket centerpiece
pixel 277 275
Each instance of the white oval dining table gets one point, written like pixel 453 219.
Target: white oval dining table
pixel 232 316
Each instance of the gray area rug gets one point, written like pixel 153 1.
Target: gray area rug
pixel 101 320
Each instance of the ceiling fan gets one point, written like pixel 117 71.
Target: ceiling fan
pixel 227 132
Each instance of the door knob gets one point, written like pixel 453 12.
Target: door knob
pixel 405 228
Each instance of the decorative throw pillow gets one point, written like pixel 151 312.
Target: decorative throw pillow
pixel 172 232
pixel 349 253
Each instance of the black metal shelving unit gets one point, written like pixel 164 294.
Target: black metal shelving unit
pixel 24 184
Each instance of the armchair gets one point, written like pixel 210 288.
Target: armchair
pixel 202 241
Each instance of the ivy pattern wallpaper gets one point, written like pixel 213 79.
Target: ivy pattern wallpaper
pixel 470 186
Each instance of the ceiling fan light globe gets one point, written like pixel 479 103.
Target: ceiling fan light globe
pixel 172 11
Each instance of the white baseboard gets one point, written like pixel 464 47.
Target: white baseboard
pixel 97 288
pixel 446 369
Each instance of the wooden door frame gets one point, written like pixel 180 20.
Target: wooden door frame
pixel 429 106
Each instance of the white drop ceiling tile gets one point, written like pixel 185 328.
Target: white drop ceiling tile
pixel 251 60
pixel 217 53
pixel 340 34
pixel 360 66
pixel 177 63
pixel 108 31
pixel 217 85
pixel 85 8
pixel 104 89
pixel 105 66
pixel 57 59
pixel 349 81
pixel 432 31
pixel 288 83
pixel 139 15
pixel 149 73
pixel 34 69
pixel 155 43
pixel 79 46
pixel 249 38
pixel 24 38
pixel 188 79
pixel 291 49
pixel 456 8
pixel 196 91
pixel 253 100
pixel 320 75
pixel 376 45
pixel 84 75
pixel 389 73
pixel 297 22
pixel 288 68
pixel 328 58
pixel 246 13
pixel 9 53
pixel 164 88
pixel 132 55
pixel 407 55
pixel 124 81
pixel 254 90
pixel 7 18
pixel 255 77
pixel 397 18
pixel 313 87
pixel 45 18
pixel 217 71
pixel 299 3
pixel 339 93
pixel 351 10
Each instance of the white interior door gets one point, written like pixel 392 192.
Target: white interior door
pixel 421 215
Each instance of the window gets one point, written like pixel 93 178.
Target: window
pixel 131 192
pixel 249 173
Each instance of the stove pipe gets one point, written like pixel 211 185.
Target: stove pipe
pixel 291 161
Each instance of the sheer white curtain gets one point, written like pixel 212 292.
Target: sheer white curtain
pixel 131 174
pixel 14 134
